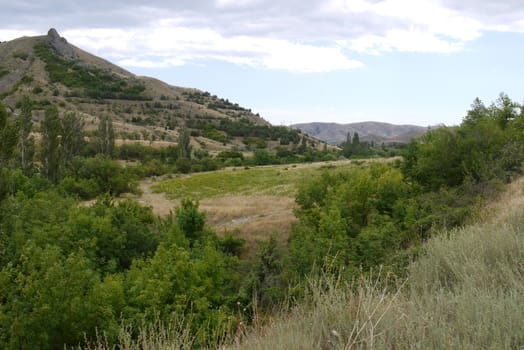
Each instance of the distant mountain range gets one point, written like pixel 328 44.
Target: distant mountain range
pixel 335 134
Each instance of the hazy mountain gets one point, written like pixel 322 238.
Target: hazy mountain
pixel 334 133
pixel 50 70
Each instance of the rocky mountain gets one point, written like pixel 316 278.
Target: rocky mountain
pixel 335 134
pixel 50 70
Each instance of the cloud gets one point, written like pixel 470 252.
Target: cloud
pixel 405 41
pixel 269 34
pixel 171 45
pixel 9 34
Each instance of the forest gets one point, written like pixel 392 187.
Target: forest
pixel 74 274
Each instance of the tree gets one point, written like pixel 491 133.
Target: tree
pixel 347 147
pixel 27 142
pixel 8 141
pixel 72 137
pixel 190 220
pixel 51 130
pixel 106 136
pixel 504 110
pixel 356 140
pixel 8 137
pixel 477 112
pixel 184 147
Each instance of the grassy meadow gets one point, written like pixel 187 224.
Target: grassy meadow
pixel 273 180
pixel 251 202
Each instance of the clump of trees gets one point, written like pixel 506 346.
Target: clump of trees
pixel 356 220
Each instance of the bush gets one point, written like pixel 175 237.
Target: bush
pixel 83 188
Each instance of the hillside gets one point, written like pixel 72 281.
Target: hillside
pixel 50 70
pixel 335 134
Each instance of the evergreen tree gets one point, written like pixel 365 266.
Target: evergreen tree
pixel 356 140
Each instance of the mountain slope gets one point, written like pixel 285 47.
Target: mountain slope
pixel 334 133
pixel 51 71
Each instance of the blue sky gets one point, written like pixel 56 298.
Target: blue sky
pixel 399 61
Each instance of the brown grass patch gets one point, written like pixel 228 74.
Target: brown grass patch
pixel 252 218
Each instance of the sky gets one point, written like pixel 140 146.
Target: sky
pixel 419 62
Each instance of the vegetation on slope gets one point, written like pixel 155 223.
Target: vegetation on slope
pixel 69 271
pixel 87 81
pixel 465 291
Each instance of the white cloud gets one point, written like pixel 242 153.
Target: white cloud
pixel 172 45
pixel 418 26
pixel 10 34
pixel 404 41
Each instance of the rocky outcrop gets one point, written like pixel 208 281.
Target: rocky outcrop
pixel 60 44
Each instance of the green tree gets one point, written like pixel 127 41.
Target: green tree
pixel 50 301
pixel 8 137
pixel 504 110
pixel 27 142
pixel 184 147
pixel 477 112
pixel 50 155
pixel 190 220
pixel 106 136
pixel 72 137
pixel 8 140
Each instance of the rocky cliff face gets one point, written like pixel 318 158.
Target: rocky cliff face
pixel 60 44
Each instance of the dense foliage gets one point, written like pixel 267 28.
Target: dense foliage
pixel 84 81
pixel 69 270
pixel 354 221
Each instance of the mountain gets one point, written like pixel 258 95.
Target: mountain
pixel 335 134
pixel 49 70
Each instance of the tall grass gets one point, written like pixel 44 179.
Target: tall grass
pixel 149 336
pixel 465 292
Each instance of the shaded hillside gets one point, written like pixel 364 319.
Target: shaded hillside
pixel 335 134
pixel 51 71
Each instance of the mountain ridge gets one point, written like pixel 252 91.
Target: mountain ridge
pixel 377 132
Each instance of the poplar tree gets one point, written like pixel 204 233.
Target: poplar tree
pixel 27 142
pixel 72 137
pixel 106 136
pixel 50 156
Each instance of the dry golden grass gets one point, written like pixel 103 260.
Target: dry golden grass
pixel 252 218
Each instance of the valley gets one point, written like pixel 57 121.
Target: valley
pixel 135 214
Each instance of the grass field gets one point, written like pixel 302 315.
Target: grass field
pixel 278 180
pixel 252 203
